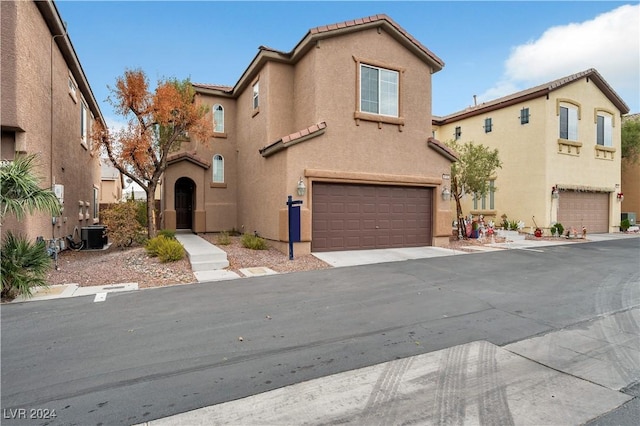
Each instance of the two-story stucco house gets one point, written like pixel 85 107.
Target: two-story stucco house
pixel 559 143
pixel 47 110
pixel 346 114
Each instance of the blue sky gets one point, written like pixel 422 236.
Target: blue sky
pixel 490 49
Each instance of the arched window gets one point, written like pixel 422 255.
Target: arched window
pixel 218 118
pixel 218 168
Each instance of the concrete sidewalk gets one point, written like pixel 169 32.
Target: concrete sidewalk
pixel 565 377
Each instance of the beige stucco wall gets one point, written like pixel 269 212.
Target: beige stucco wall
pixel 320 87
pixel 49 127
pixel 531 157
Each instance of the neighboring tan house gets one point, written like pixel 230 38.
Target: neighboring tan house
pixel 631 181
pixel 560 148
pixel 347 115
pixel 47 110
pixel 111 184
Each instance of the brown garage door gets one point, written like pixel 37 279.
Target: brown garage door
pixel 589 209
pixel 355 217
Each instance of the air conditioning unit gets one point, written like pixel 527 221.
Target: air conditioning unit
pixel 631 216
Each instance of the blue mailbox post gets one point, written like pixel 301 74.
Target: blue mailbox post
pixel 294 223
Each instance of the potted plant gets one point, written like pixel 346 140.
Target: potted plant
pixel 624 225
pixel 556 229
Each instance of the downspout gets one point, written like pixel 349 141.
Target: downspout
pixel 53 225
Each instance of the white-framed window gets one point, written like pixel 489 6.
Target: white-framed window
pixel 218 118
pixel 379 90
pixel 96 202
pixel 256 95
pixel 84 123
pixel 569 116
pixel 604 129
pixel 486 201
pixel 73 88
pixel 218 168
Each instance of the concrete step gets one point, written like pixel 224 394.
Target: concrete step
pixel 202 255
pixel 511 235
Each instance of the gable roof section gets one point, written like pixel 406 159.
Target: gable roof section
pixel 191 156
pixel 536 92
pixel 314 35
pixel 442 149
pixel 294 138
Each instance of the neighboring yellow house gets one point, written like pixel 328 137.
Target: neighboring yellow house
pixel 631 181
pixel 560 148
pixel 111 184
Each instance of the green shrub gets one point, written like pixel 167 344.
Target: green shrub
pixel 153 245
pixel 223 239
pixel 557 229
pixel 625 224
pixel 167 233
pixel 123 227
pixel 24 265
pixel 253 242
pixel 141 212
pixel 170 250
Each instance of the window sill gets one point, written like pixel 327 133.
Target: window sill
pixel 380 119
pixel 604 152
pixel 220 135
pixel 569 147
pixel 255 112
pixel 483 212
pixel 217 185
pixel 73 96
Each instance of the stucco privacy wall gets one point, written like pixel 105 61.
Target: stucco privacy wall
pixel 533 159
pixel 39 111
pixel 320 86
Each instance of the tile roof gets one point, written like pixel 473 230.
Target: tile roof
pixel 294 138
pixel 308 41
pixel 375 19
pixel 536 92
pixel 188 156
pixel 442 149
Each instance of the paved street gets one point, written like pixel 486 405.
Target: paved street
pixel 156 353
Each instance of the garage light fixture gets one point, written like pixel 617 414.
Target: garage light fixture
pixel 554 192
pixel 302 189
pixel 446 194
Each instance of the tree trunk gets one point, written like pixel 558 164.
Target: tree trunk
pixel 151 210
pixel 457 195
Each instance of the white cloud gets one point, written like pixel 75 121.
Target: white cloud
pixel 609 43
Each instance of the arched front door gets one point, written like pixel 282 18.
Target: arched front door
pixel 184 203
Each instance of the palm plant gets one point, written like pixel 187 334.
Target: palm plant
pixel 24 263
pixel 20 191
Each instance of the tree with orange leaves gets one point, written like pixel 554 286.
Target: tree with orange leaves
pixel 157 123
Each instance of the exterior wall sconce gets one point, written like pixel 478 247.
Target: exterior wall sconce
pixel 620 196
pixel 555 193
pixel 446 194
pixel 301 188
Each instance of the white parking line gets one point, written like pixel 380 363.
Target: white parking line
pixel 100 297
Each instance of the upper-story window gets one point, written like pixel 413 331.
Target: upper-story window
pixel 569 116
pixel 84 123
pixel 73 88
pixel 604 129
pixel 458 133
pixel 488 126
pixel 524 116
pixel 256 95
pixel 379 92
pixel 218 118
pixel 218 168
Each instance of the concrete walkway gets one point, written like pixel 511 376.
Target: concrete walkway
pixel 207 260
pixel 566 377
